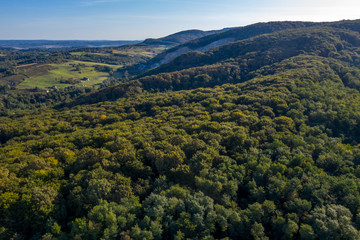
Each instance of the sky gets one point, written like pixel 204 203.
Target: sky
pixel 141 19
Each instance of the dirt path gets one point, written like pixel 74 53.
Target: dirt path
pixel 26 65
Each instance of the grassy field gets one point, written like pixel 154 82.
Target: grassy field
pixel 91 64
pixel 58 73
pixel 77 53
pixel 139 51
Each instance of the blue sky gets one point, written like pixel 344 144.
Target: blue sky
pixel 140 19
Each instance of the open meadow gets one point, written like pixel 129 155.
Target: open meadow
pixel 66 74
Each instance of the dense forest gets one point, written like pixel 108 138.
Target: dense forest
pixel 256 139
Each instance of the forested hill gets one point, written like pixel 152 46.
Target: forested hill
pixel 222 38
pixel 270 48
pixel 236 34
pixel 239 61
pixel 180 37
pixel 258 139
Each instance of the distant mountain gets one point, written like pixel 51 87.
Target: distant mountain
pixel 180 37
pixel 49 44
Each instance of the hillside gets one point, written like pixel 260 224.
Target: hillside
pixel 236 34
pixel 256 139
pixel 223 38
pixel 239 61
pixel 212 41
pixel 270 47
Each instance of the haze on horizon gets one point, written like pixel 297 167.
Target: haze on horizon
pixel 140 19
